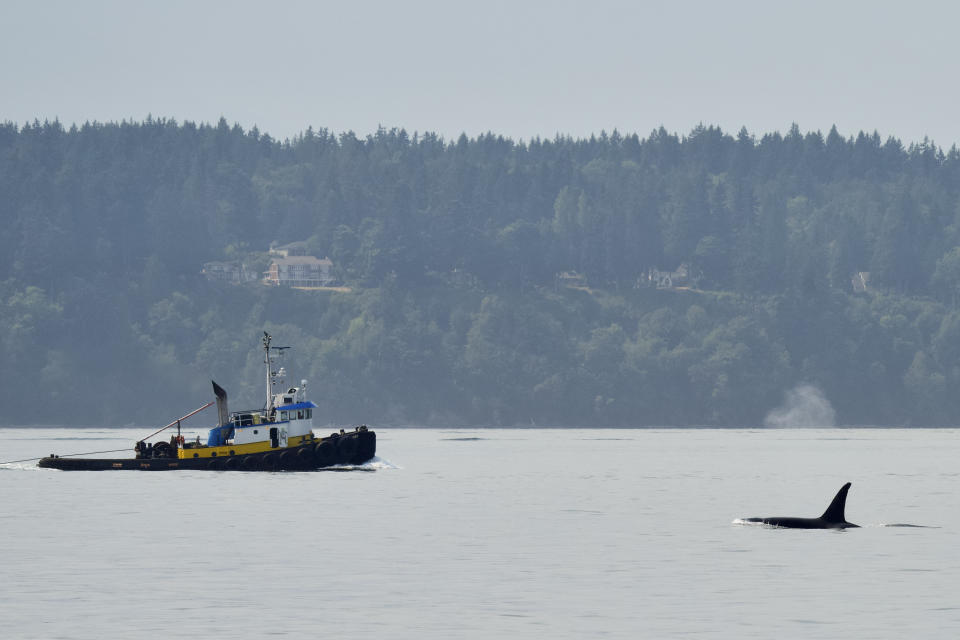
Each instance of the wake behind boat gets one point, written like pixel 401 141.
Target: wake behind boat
pixel 278 437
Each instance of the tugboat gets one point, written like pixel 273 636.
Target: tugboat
pixel 278 437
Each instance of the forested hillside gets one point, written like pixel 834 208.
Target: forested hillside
pixel 453 252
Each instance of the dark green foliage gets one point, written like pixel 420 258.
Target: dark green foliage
pixel 457 313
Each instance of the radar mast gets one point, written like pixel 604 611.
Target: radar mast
pixel 266 360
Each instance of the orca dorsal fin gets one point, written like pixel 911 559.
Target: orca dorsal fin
pixel 834 512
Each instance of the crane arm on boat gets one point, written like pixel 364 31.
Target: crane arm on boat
pixel 177 421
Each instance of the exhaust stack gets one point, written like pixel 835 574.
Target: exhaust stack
pixel 223 414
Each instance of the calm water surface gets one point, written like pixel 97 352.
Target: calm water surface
pixel 530 533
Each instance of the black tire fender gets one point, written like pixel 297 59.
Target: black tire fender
pixel 325 453
pixel 347 448
pixel 305 457
pixel 269 462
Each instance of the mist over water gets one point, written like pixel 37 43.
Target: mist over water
pixel 804 406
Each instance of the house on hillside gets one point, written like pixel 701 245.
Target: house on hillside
pixel 860 280
pixel 680 277
pixel 571 280
pixel 299 271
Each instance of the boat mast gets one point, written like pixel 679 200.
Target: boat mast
pixel 266 359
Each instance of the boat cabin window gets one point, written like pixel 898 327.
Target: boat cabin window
pixel 283 416
pixel 309 413
pixel 246 420
pixel 300 414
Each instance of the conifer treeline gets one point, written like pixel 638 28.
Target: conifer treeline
pixel 453 250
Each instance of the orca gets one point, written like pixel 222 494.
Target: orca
pixel 832 518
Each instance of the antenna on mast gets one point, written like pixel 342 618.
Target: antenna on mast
pixel 266 360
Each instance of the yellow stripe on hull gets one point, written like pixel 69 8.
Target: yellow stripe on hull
pixel 240 449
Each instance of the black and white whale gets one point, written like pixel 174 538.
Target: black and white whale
pixel 832 518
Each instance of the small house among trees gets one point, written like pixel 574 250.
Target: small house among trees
pixel 292 266
pixel 300 271
pixel 860 280
pixel 571 279
pixel 680 277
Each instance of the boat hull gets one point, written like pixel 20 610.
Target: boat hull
pixel 353 447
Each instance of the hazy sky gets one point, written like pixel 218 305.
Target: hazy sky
pixel 516 68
